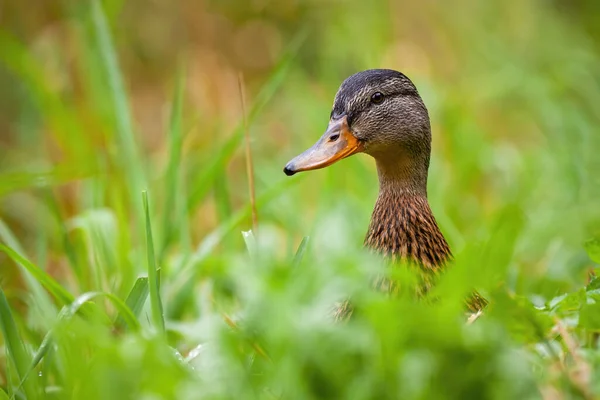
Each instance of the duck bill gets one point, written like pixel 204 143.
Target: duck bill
pixel 337 143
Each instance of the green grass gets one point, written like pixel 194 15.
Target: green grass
pixel 127 265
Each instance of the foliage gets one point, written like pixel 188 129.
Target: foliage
pixel 108 294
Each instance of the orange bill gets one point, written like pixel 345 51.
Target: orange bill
pixel 338 142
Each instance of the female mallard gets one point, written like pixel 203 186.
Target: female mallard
pixel 380 112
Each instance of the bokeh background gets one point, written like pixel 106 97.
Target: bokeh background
pixel 103 99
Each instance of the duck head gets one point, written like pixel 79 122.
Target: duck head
pixel 378 112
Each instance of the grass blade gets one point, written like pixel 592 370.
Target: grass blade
pixel 40 275
pixel 170 211
pixel 136 299
pixel 201 186
pixel 216 236
pixel 138 295
pixel 222 197
pixel 40 297
pixel 249 164
pixel 211 240
pixel 124 310
pixel 210 171
pixel 14 344
pixel 250 241
pixel 69 247
pixel 63 122
pixel 301 250
pixel 15 181
pixel 124 126
pixel 154 286
pixel 67 312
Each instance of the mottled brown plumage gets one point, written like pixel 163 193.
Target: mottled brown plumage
pixel 403 226
pixel 380 113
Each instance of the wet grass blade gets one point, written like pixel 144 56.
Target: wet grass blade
pixel 154 285
pixel 14 345
pixel 250 241
pixel 65 315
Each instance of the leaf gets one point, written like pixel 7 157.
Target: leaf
pixel 594 284
pixel 592 247
pixel 589 316
pixel 593 294
pixel 527 323
pixel 568 302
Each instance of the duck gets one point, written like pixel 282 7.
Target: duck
pixel 379 112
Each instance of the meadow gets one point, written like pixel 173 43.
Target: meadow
pixel 151 246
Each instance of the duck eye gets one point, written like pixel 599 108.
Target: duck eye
pixel 377 97
pixel 334 137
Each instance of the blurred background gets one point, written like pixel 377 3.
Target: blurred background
pixel 101 100
pixel 511 89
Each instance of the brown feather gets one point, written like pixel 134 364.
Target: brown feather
pixel 403 227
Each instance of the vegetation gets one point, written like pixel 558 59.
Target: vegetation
pixel 127 264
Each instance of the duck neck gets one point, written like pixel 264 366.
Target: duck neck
pixel 402 225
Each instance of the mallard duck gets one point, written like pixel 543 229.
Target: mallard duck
pixel 379 112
